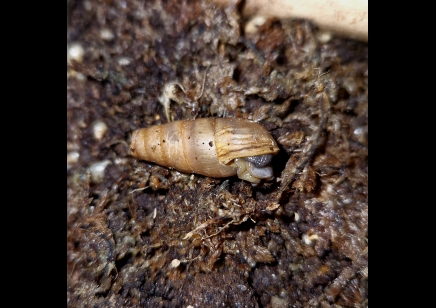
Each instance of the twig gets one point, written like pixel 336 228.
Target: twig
pixel 291 170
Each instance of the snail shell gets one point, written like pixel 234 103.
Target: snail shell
pixel 214 147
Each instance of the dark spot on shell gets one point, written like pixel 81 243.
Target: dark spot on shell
pixel 189 137
pixel 132 149
pixel 196 158
pixel 211 143
pixel 163 141
pixel 271 149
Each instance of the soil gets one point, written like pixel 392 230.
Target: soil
pixel 144 235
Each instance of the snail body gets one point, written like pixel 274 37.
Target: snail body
pixel 215 147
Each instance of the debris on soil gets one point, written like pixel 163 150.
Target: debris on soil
pixel 139 234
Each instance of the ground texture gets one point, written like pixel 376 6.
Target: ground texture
pixel 143 235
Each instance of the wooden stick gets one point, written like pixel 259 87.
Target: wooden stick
pixel 343 17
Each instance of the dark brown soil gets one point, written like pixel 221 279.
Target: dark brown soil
pixel 143 235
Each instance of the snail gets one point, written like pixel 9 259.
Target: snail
pixel 215 147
